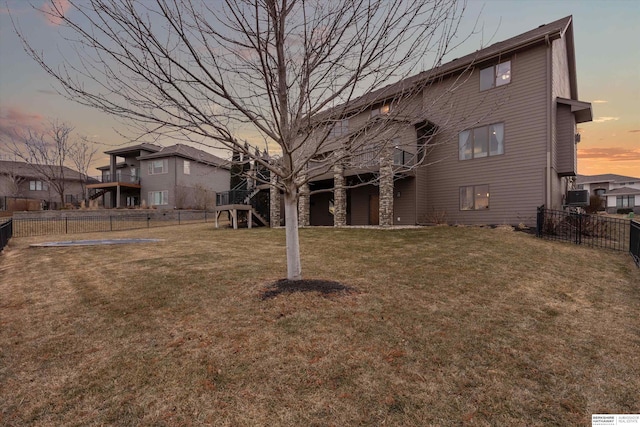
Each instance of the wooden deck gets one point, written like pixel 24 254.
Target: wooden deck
pixel 233 214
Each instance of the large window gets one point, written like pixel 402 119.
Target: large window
pixel 186 167
pixel 481 142
pixel 496 75
pixel 474 197
pixel 38 186
pixel 625 201
pixel 158 166
pixel 157 198
pixel 339 128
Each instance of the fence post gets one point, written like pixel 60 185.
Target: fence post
pixel 110 222
pixel 178 217
pixel 579 235
pixel 66 225
pixel 148 220
pixel 539 221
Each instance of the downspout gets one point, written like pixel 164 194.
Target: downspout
pixel 175 182
pixel 550 100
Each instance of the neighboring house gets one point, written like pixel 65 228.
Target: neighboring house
pixel 500 143
pixel 175 177
pixel 618 191
pixel 22 187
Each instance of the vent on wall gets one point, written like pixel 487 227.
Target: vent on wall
pixel 578 198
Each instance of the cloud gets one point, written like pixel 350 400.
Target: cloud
pixel 55 10
pixel 12 119
pixel 599 101
pixel 605 119
pixel 634 130
pixel 613 154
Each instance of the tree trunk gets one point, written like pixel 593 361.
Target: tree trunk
pixel 294 269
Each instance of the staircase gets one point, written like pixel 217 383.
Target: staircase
pixel 98 194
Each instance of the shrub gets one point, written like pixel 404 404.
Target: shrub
pixel 625 211
pixel 596 203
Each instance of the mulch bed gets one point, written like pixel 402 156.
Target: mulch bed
pixel 325 287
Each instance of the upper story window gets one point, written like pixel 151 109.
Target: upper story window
pixel 38 186
pixel 496 75
pixel 158 166
pixel 186 167
pixel 481 142
pixel 339 128
pixel 382 111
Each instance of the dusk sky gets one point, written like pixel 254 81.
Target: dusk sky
pixel 607 55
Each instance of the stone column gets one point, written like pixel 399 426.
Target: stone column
pixel 339 193
pixel 274 202
pixel 386 187
pixel 303 206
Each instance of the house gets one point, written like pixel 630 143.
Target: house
pixel 484 139
pixel 618 191
pixel 27 187
pixel 174 177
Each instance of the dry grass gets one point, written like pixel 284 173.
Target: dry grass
pixel 449 326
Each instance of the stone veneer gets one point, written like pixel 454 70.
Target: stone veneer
pixel 339 196
pixel 386 187
pixel 303 206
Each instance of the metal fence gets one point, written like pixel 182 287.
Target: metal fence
pixel 26 227
pixel 584 229
pixel 634 241
pixel 6 231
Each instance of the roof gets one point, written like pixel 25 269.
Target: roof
pixel 607 177
pixel 542 34
pixel 623 191
pixel 187 152
pixel 25 170
pixel 134 148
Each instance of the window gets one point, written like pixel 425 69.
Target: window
pixel 600 192
pixel 38 186
pixel 474 197
pixel 158 166
pixel 625 201
pixel 157 198
pixel 481 142
pixel 186 169
pixel 384 110
pixel 496 75
pixel 339 128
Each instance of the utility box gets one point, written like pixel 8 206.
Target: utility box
pixel 578 198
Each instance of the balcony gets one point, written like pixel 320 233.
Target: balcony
pixel 105 180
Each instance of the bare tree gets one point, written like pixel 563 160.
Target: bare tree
pixel 286 74
pixel 81 153
pixel 11 183
pixel 46 152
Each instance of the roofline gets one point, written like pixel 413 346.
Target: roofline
pixel 465 62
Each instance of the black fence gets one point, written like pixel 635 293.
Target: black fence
pixel 634 242
pixel 6 231
pixel 26 227
pixel 583 229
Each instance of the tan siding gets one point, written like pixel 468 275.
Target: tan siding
pixel 404 206
pixel 560 145
pixel 565 136
pixel 516 179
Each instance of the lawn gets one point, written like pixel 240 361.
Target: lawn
pixel 446 326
